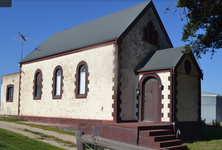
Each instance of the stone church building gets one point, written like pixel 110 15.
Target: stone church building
pixel 118 72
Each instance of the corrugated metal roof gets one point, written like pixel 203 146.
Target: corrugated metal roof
pixel 161 59
pixel 100 30
pixel 210 94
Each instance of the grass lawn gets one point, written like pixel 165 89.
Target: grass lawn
pixel 9 119
pixel 14 141
pixel 211 136
pixel 20 121
pixel 211 139
pixel 48 128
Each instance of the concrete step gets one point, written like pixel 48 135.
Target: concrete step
pixel 163 137
pixel 155 127
pixel 168 143
pixel 159 132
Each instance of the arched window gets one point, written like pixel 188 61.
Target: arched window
pixel 82 80
pixel 37 85
pixel 150 34
pixel 57 83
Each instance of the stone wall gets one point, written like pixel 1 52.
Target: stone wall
pixel 97 105
pixel 9 108
pixel 133 50
pixel 187 90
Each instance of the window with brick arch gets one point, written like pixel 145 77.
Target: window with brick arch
pixel 9 93
pixel 37 93
pixel 81 80
pixel 57 83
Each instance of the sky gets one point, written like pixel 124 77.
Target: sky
pixel 38 19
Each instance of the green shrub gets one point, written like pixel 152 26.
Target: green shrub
pixel 203 122
pixel 216 123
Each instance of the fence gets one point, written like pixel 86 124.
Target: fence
pixel 82 140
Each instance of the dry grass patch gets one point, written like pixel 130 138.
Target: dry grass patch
pixel 45 136
pixel 21 121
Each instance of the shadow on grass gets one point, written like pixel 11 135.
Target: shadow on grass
pixel 211 139
pixel 210 132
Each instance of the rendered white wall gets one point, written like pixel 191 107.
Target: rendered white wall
pixel 97 105
pixel 165 92
pixel 9 108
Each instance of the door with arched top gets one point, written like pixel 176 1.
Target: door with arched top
pixel 150 100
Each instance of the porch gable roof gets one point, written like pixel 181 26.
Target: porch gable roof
pixel 161 60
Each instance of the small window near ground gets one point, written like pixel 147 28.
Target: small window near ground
pixel 82 80
pixel 9 94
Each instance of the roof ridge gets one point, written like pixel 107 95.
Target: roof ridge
pixel 210 93
pixel 168 49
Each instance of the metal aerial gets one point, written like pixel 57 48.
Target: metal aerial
pixel 23 39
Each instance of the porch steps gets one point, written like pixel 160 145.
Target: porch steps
pixel 163 137
pixel 160 138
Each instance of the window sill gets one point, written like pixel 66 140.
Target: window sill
pixel 81 96
pixel 37 98
pixel 57 97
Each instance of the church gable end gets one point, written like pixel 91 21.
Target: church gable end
pixel 144 36
pixel 150 34
pixel 188 77
pixel 188 66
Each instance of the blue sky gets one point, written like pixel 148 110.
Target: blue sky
pixel 38 19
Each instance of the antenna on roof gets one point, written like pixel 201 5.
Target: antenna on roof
pixel 23 39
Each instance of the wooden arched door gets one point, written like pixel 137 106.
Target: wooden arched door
pixel 150 101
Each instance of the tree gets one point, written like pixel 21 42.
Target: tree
pixel 203 30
